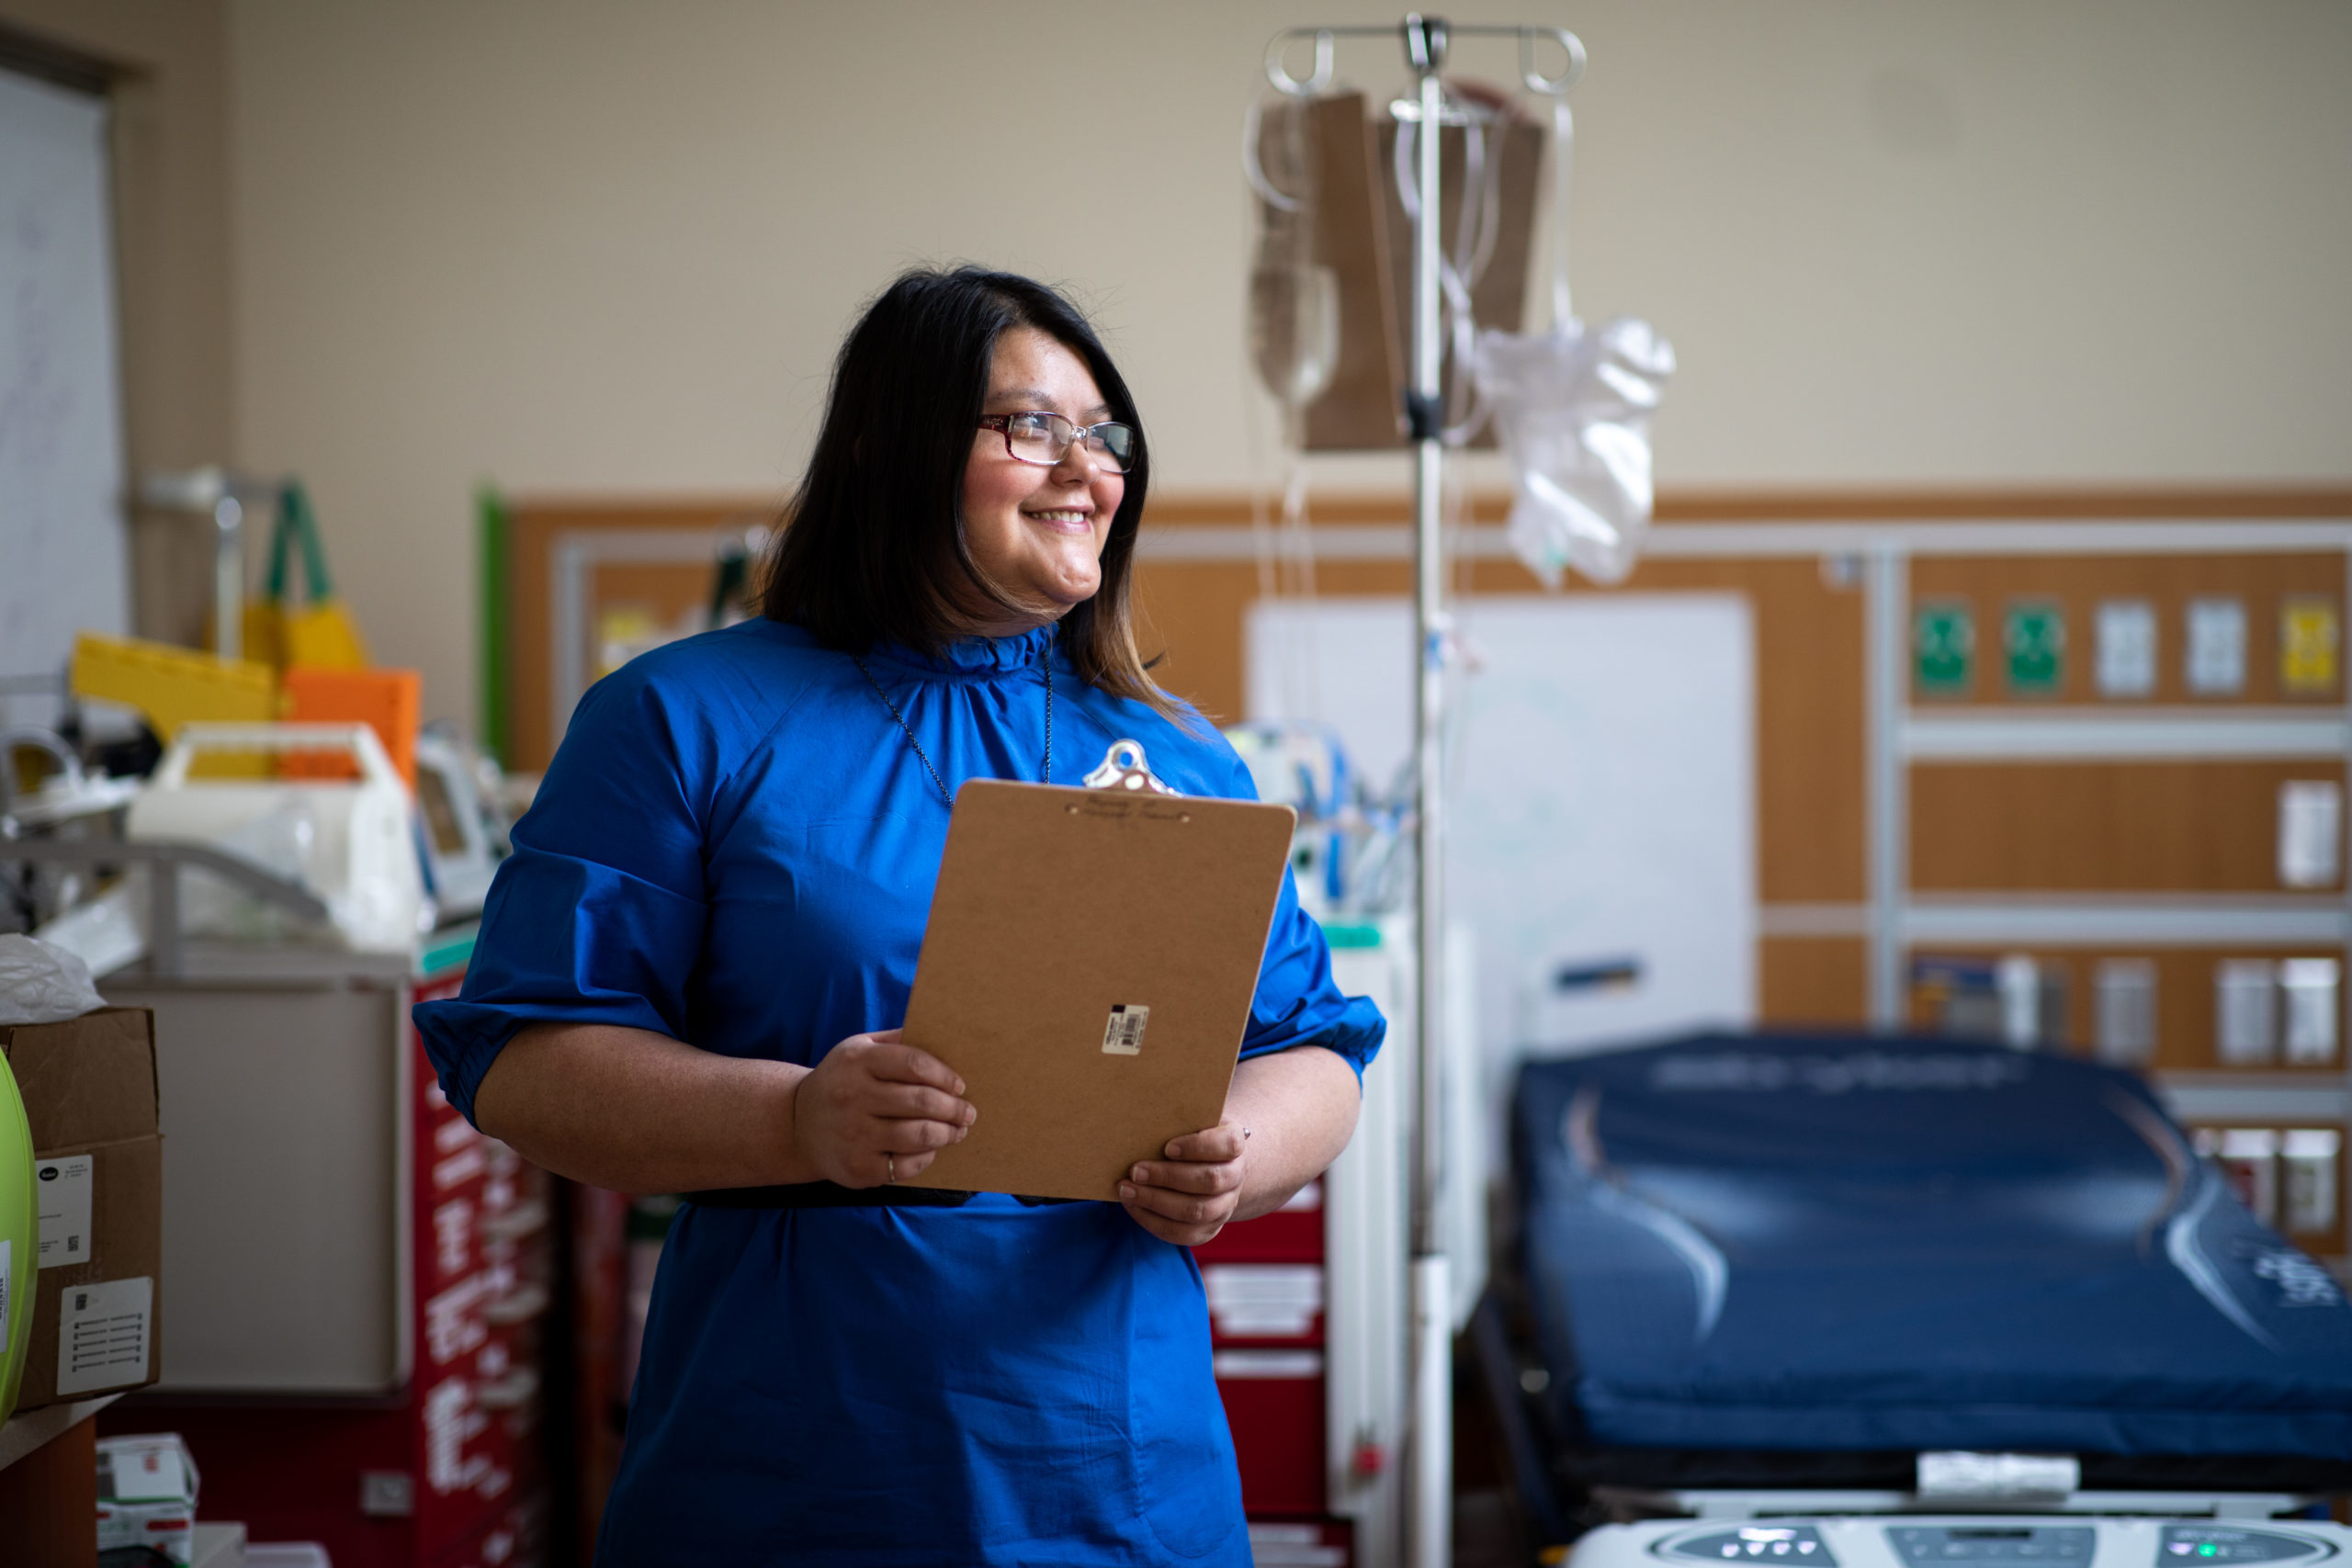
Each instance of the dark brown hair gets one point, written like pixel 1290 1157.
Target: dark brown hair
pixel 874 547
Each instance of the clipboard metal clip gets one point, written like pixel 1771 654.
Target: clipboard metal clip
pixel 1124 768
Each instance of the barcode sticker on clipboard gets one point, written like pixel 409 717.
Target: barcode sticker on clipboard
pixel 1123 1036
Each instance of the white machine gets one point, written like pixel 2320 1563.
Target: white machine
pixel 464 836
pixel 1968 1540
pixel 347 842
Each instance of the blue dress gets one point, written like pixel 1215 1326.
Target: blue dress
pixel 736 846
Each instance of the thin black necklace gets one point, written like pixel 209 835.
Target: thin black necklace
pixel 1045 769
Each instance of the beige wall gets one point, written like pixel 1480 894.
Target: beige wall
pixel 173 221
pixel 592 247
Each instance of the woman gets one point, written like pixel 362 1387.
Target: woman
pixel 691 970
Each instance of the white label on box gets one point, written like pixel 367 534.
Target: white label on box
pixel 2216 665
pixel 147 1470
pixel 1123 1036
pixel 62 1188
pixel 2311 814
pixel 1268 1300
pixel 102 1334
pixel 1279 1364
pixel 2127 648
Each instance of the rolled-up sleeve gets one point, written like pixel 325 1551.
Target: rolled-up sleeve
pixel 1297 1001
pixel 598 916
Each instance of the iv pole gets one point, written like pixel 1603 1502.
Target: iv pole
pixel 1429 1479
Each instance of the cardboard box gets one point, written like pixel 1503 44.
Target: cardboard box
pixel 89 1091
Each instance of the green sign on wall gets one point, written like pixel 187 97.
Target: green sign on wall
pixel 1943 645
pixel 2033 636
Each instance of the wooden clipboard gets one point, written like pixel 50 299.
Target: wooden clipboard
pixel 1088 969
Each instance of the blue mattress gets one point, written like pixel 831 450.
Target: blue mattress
pixel 1764 1242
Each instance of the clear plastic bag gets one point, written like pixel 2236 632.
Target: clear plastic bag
pixel 43 983
pixel 1574 408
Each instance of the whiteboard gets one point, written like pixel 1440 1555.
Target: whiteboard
pixel 64 559
pixel 1600 760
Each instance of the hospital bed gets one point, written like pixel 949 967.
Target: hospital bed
pixel 1767 1273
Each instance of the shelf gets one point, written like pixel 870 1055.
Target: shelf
pixel 2123 734
pixel 2213 920
pixel 33 1428
pixel 2244 1096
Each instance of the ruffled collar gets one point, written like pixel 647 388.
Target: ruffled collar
pixel 971 658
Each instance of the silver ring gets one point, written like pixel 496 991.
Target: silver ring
pixel 892 1161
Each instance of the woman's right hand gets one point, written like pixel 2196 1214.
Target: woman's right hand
pixel 877 1110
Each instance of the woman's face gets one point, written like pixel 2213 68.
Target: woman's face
pixel 1037 533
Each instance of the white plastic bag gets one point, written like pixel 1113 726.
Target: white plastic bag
pixel 43 983
pixel 1574 408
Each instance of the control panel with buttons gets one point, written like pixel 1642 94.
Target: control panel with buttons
pixel 2192 1544
pixel 1757 1543
pixel 1921 1545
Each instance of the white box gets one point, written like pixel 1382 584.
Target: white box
pixel 2250 1157
pixel 2309 987
pixel 2124 993
pixel 2310 1157
pixel 2244 1012
pixel 2310 817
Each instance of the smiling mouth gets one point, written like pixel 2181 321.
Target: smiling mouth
pixel 1064 516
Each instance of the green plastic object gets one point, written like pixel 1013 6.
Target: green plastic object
pixel 19 1239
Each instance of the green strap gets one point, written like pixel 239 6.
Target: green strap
pixel 279 528
pixel 296 520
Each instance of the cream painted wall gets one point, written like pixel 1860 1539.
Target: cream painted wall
pixel 611 247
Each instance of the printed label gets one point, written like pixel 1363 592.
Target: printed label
pixel 1263 1301
pixel 1123 1036
pixel 102 1334
pixel 62 1188
pixel 2127 648
pixel 1943 644
pixel 2034 637
pixel 2216 652
pixel 2307 638
pixel 1234 1365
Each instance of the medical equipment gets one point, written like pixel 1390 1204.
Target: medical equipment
pixel 1426 42
pixel 1968 1538
pixel 1346 856
pixel 464 831
pixel 349 843
pixel 1752 1263
pixel 1574 408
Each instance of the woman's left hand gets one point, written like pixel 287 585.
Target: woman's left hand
pixel 1188 1197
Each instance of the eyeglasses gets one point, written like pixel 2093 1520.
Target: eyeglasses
pixel 1045 439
